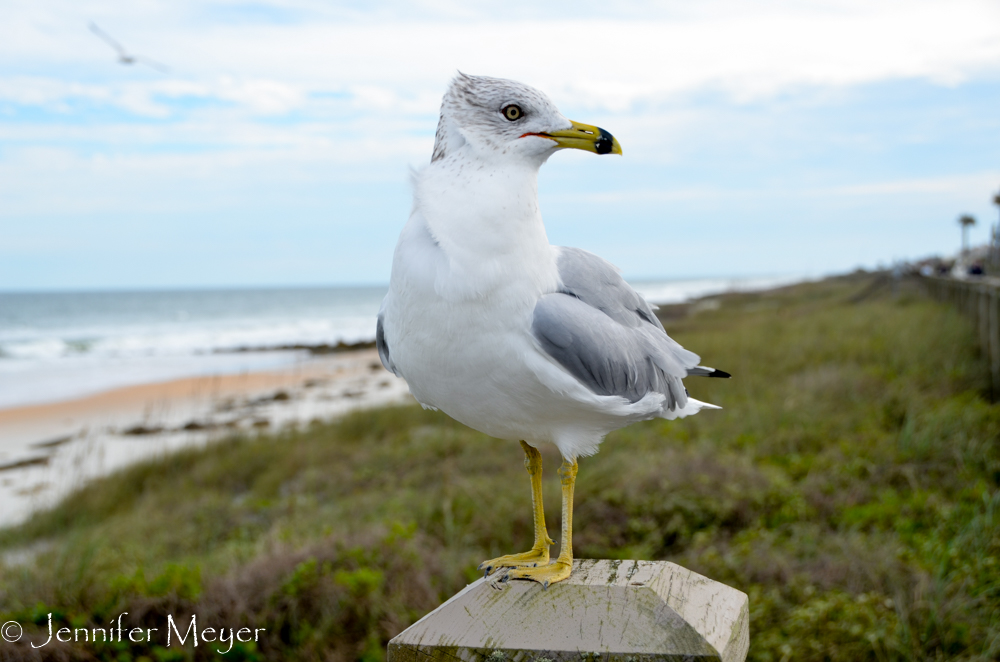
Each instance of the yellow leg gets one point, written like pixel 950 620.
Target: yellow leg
pixel 539 553
pixel 559 569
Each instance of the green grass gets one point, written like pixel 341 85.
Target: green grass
pixel 849 486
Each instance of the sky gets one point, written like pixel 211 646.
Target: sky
pixel 764 138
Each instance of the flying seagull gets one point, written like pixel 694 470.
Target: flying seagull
pixel 124 57
pixel 505 333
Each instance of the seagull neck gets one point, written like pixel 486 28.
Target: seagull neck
pixel 478 209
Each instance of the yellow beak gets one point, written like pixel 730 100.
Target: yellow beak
pixel 586 137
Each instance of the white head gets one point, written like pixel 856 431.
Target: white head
pixel 504 117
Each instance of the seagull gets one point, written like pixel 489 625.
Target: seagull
pixel 124 57
pixel 507 334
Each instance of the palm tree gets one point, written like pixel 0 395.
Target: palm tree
pixel 966 221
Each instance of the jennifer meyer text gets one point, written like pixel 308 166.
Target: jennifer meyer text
pixel 170 633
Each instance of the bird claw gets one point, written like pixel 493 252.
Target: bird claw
pixel 497 580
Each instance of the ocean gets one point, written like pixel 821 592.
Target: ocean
pixel 61 345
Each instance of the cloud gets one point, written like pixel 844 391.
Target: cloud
pixel 155 99
pixel 265 97
pixel 747 51
pixel 275 109
pixel 970 184
pixel 967 184
pixel 51 93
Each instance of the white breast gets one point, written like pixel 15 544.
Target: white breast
pixel 460 336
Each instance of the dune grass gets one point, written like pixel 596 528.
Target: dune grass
pixel 849 486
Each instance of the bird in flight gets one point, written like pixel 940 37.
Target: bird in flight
pixel 506 333
pixel 124 57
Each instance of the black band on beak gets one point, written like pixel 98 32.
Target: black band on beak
pixel 604 142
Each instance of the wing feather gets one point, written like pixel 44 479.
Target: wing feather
pixel 607 336
pixel 382 345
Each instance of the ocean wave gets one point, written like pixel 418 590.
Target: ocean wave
pixel 181 340
pixel 668 292
pixel 63 345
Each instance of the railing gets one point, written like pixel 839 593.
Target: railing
pixel 978 298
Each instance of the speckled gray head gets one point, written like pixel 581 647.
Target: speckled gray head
pixel 505 116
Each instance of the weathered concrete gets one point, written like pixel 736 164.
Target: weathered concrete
pixel 607 611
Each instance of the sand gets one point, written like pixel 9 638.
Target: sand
pixel 47 450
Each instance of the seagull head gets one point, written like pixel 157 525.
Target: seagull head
pixel 510 120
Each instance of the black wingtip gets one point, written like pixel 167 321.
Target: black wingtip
pixel 720 373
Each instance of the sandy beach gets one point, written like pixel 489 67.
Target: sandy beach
pixel 47 450
pixel 93 381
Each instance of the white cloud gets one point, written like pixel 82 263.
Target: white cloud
pixel 748 51
pixel 270 105
pixel 266 97
pixel 51 93
pixel 972 185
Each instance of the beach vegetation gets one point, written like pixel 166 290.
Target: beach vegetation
pixel 849 486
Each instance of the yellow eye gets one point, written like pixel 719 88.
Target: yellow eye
pixel 512 112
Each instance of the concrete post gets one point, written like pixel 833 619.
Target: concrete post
pixel 607 611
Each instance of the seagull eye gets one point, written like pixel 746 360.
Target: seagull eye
pixel 512 112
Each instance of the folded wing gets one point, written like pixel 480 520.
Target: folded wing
pixel 603 333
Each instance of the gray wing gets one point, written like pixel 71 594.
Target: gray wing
pixel 382 345
pixel 159 66
pixel 109 40
pixel 604 334
pixel 596 282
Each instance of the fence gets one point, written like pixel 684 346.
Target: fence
pixel 978 298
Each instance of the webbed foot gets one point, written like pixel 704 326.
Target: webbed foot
pixel 545 575
pixel 529 559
